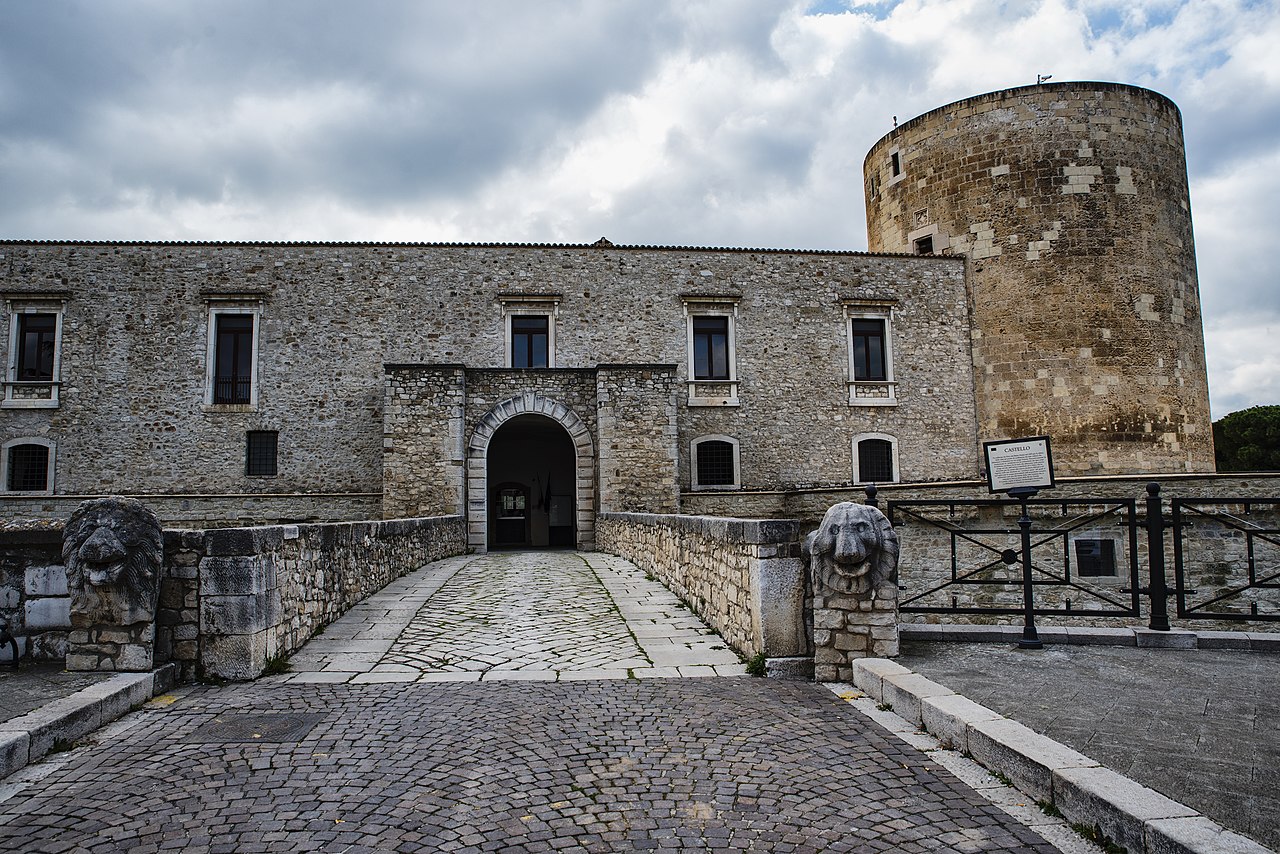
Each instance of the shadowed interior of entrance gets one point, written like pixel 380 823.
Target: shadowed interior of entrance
pixel 530 476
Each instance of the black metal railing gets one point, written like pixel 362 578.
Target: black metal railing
pixel 1226 557
pixel 231 389
pixel 1213 538
pixel 985 557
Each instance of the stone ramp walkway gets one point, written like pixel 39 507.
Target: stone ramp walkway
pixel 532 616
pixel 1202 726
pixel 603 765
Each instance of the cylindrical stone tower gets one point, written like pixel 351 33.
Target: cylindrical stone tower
pixel 1070 202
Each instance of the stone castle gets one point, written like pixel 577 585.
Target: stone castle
pixel 1031 271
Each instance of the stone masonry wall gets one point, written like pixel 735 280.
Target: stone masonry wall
pixel 1070 201
pixel 743 577
pixel 34 602
pixel 135 336
pixel 234 599
pixel 424 441
pixel 212 511
pixel 638 455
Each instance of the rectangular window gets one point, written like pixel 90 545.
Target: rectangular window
pixel 875 461
pixel 869 361
pixel 233 358
pixel 895 163
pixel 260 453
pixel 924 245
pixel 1095 558
pixel 715 463
pixel 711 348
pixel 37 336
pixel 530 337
pixel 27 465
pixel 28 468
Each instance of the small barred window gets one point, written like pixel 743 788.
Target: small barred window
pixel 28 468
pixel 875 461
pixel 260 453
pixel 715 464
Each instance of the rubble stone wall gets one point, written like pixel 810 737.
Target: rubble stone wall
pixel 34 601
pixel 332 317
pixel 743 577
pixel 236 598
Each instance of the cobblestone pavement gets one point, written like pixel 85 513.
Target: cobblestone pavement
pixel 542 616
pixel 1201 726
pixel 28 688
pixel 603 765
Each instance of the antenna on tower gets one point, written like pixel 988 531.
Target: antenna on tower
pixel 895 121
pixel 1040 78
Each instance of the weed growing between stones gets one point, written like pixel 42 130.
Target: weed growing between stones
pixel 756 666
pixel 1094 834
pixel 276 666
pixel 1049 808
pixel 885 707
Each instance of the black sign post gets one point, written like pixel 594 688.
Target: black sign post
pixel 1020 468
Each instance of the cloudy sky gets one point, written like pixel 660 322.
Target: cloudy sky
pixel 696 122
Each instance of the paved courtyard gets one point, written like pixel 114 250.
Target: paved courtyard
pixel 542 616
pixel 601 765
pixel 1200 725
pixel 389 737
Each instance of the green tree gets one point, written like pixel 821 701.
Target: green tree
pixel 1248 440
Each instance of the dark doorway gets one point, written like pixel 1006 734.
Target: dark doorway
pixel 531 472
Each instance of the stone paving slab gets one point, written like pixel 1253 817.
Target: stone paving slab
pixel 598 765
pixel 27 688
pixel 522 616
pixel 73 714
pixel 1200 726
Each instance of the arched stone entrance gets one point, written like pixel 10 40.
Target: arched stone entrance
pixel 534 455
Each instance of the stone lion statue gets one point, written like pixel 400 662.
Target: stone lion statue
pixel 854 550
pixel 112 549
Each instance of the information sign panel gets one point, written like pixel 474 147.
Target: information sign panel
pixel 1019 464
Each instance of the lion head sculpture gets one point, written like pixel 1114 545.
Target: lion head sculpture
pixel 112 549
pixel 854 550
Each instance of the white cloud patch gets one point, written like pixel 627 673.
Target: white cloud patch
pixel 1244 363
pixel 706 122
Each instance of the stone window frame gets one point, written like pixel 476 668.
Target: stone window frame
pixel 18 305
pixel 722 392
pixel 693 463
pixel 1118 575
pixel 941 240
pixel 871 392
pixel 893 452
pixel 894 153
pixel 5 451
pixel 232 304
pixel 536 305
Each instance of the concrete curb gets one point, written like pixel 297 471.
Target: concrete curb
pixel 1139 818
pixel 30 737
pixel 1094 636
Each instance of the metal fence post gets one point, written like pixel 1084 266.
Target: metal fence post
pixel 1157 590
pixel 1030 637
